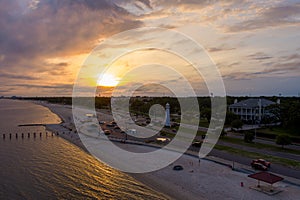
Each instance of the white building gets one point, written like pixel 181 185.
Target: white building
pixel 168 121
pixel 252 110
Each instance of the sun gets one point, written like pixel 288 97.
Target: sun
pixel 108 80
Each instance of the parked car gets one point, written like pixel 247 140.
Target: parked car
pixel 113 122
pixel 162 140
pixel 177 168
pixel 107 132
pixel 110 125
pixel 259 166
pixel 197 144
pixel 262 161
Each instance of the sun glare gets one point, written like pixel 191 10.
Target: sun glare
pixel 108 80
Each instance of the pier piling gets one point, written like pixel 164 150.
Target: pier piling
pixel 28 135
pixel 22 135
pixel 4 136
pixel 34 135
pixel 10 136
pixel 16 135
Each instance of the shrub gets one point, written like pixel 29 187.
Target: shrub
pixel 248 137
pixel 236 124
pixel 283 140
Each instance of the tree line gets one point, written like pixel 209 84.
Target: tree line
pixel 287 112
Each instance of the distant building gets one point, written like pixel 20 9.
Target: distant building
pixel 251 110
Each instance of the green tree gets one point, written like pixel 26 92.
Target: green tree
pixel 206 113
pixel 283 140
pixel 274 110
pixel 289 114
pixel 237 123
pixel 248 137
pixel 223 133
pixel 230 116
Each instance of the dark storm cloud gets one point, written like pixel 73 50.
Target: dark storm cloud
pixel 56 28
pixel 32 32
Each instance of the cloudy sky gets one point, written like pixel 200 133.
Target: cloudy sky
pixel 254 44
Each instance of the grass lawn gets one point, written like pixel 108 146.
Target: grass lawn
pixel 167 134
pixel 203 123
pixel 199 133
pixel 278 131
pixel 260 145
pixel 254 155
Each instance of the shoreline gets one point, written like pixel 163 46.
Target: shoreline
pixel 160 186
pixel 162 181
pixel 69 135
pixel 77 142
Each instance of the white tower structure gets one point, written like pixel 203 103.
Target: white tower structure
pixel 168 123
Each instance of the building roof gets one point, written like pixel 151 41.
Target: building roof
pixel 266 177
pixel 251 103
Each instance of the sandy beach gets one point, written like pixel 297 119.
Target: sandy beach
pixel 198 180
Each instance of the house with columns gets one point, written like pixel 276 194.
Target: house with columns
pixel 251 110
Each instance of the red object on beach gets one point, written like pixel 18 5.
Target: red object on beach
pixel 266 177
pixel 242 184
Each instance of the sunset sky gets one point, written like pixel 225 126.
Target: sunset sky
pixel 254 44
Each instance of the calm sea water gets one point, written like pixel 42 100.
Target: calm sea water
pixel 52 168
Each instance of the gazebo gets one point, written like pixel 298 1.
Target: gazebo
pixel 267 178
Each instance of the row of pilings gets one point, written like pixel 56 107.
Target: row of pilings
pixel 25 135
pixel 29 135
